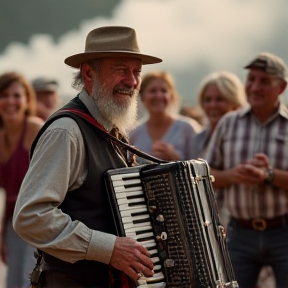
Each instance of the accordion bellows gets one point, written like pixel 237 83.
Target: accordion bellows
pixel 171 210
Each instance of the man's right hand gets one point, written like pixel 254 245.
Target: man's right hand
pixel 132 258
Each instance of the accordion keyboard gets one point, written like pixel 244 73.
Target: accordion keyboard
pixel 136 220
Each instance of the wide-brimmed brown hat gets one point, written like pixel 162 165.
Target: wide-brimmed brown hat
pixel 111 41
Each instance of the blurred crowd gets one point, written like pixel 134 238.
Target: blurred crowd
pixel 239 128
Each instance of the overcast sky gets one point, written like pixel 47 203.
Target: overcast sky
pixel 219 34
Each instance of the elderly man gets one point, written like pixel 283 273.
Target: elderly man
pixel 47 96
pixel 248 156
pixel 63 208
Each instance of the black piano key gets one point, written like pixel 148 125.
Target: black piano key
pixel 141 220
pixel 135 204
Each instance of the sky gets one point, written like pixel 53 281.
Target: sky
pixel 193 37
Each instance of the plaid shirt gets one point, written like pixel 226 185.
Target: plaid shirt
pixel 238 136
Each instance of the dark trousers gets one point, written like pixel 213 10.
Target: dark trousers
pixel 250 250
pixel 60 280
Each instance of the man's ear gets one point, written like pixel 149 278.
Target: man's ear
pixel 87 74
pixel 283 86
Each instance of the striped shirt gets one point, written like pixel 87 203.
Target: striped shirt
pixel 238 136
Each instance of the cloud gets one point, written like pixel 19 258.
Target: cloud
pixel 223 34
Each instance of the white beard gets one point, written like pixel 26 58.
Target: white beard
pixel 122 114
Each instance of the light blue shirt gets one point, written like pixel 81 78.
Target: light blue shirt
pixel 179 135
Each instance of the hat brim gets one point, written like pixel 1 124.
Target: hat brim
pixel 76 60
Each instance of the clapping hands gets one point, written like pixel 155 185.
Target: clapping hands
pixel 164 151
pixel 253 171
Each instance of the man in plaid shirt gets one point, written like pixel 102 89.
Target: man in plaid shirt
pixel 248 155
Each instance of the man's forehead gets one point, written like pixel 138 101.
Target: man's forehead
pixel 260 73
pixel 46 95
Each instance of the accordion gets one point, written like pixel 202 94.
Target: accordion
pixel 171 210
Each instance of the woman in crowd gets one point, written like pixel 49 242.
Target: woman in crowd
pixel 18 128
pixel 219 93
pixel 165 134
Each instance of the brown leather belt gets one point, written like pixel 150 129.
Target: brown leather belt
pixel 262 224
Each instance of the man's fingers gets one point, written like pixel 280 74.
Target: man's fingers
pixel 148 272
pixel 131 257
pixel 143 250
pixel 132 273
pixel 146 262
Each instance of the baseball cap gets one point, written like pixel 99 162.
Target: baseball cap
pixel 270 63
pixel 45 84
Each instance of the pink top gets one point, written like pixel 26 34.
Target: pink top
pixel 12 173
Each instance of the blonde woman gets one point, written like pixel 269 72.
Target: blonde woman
pixel 165 134
pixel 219 93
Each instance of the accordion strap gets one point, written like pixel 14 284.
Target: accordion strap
pixel 106 134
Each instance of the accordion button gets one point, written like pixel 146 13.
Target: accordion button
pixel 206 223
pixel 160 218
pixel 163 236
pixel 169 263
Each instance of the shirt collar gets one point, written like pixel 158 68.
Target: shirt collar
pixel 93 109
pixel 282 110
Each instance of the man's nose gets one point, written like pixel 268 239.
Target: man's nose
pixel 255 86
pixel 130 79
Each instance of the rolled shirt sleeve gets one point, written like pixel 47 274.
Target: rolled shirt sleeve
pixel 57 166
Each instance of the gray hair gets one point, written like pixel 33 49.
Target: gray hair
pixel 78 81
pixel 229 85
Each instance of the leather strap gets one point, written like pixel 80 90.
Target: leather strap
pixel 101 129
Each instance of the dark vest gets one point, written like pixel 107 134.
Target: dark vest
pixel 89 203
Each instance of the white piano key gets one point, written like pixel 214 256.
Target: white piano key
pixel 128 194
pixel 124 207
pixel 132 225
pixel 141 283
pixel 131 234
pixel 133 210
pixel 156 277
pixel 153 251
pixel 126 182
pixel 128 201
pixel 121 189
pixel 139 229
pixel 142 236
pixel 149 244
pixel 130 219
pixel 126 175
pixel 155 259
pixel 157 267
pixel 156 285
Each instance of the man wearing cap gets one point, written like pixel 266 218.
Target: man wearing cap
pixel 63 208
pixel 248 156
pixel 47 96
